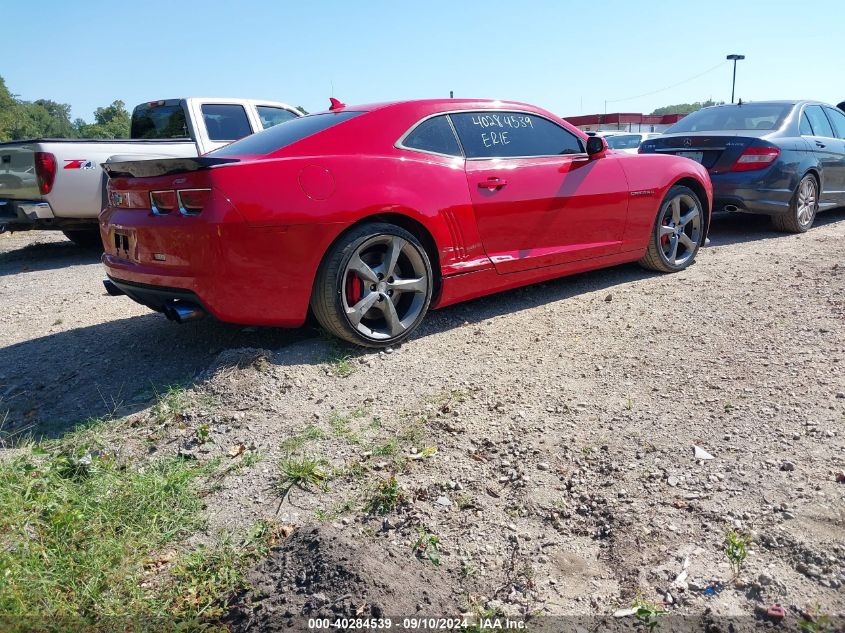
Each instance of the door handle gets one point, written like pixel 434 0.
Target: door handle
pixel 819 144
pixel 492 183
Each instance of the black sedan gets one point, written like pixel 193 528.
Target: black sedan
pixel 785 159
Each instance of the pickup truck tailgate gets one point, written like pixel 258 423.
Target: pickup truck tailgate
pixel 17 172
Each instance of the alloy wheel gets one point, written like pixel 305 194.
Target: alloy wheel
pixel 806 208
pixel 385 285
pixel 680 229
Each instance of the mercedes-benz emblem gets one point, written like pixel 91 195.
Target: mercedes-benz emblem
pixel 687 142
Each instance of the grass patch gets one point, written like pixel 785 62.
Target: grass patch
pixel 304 473
pixel 296 442
pixel 388 448
pixel 75 528
pixel 169 404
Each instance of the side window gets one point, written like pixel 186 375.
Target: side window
pixel 837 118
pixel 271 116
pixel 821 126
pixel 513 134
pixel 225 122
pixel 805 128
pixel 433 135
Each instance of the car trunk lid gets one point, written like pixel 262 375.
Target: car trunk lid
pixel 717 152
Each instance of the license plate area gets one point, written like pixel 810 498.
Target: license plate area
pixel 122 242
pixel 698 157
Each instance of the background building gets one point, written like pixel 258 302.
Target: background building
pixel 625 122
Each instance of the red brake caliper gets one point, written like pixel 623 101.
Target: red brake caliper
pixel 354 289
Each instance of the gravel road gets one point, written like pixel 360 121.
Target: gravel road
pixel 545 435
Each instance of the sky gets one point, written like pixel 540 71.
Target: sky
pixel 569 56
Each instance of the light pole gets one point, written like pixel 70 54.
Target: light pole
pixel 735 58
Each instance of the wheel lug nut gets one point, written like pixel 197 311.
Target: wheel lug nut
pixel 373 287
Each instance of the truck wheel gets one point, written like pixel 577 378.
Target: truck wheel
pixel 85 238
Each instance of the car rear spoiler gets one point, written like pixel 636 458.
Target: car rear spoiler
pixel 162 166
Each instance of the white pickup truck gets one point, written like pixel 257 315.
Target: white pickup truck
pixel 59 184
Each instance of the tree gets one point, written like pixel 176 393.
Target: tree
pixel 686 108
pixel 110 122
pixel 301 109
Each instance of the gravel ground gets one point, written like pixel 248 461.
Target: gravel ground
pixel 546 435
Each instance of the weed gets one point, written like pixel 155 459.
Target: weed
pixel 388 448
pixel 736 549
pixel 202 433
pixel 629 404
pixel 816 622
pixel 342 367
pixel 304 473
pixel 427 546
pixel 58 322
pixel 465 501
pixel 729 407
pixel 251 458
pixel 170 404
pixel 648 613
pixel 295 442
pixel 386 497
pixel 468 570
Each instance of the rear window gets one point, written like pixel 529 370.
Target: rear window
pixel 434 135
pixel 225 121
pixel 159 121
pixel 749 116
pixel 279 136
pixel 623 141
pixel 271 116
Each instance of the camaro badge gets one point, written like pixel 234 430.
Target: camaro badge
pixel 79 164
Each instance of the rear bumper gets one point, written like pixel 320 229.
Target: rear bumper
pixel 24 215
pixel 749 196
pixel 235 272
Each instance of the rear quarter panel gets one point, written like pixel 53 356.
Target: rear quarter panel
pixel 338 191
pixel 650 176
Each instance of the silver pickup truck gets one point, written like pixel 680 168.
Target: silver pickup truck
pixel 59 184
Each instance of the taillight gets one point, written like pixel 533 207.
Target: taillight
pixel 163 202
pixel 45 171
pixel 756 158
pixel 187 201
pixel 192 201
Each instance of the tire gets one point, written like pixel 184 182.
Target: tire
pixel 677 233
pixel 85 238
pixel 360 297
pixel 802 208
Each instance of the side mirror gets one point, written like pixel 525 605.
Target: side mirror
pixel 596 146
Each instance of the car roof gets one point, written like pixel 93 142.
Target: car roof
pixel 442 104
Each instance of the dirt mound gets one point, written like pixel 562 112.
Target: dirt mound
pixel 319 572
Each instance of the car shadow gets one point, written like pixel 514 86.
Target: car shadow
pixel 733 228
pixel 45 256
pixel 50 384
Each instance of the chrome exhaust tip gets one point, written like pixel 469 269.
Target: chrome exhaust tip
pixel 182 312
pixel 731 208
pixel 112 289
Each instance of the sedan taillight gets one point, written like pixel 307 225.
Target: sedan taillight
pixel 754 158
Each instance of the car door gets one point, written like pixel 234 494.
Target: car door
pixel 837 121
pixel 829 151
pixel 538 199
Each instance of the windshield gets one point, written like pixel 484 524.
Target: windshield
pixel 749 116
pixel 623 141
pixel 279 136
pixel 159 120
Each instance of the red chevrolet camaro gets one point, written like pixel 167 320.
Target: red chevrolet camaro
pixel 370 215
